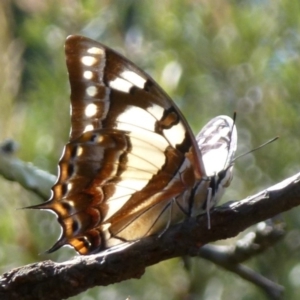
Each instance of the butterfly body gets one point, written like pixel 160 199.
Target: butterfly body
pixel 132 165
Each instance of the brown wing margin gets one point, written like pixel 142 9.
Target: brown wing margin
pixel 109 64
pixel 96 161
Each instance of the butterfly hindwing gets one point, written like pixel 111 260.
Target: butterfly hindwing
pixel 132 162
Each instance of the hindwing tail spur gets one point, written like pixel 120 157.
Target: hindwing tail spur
pixel 132 164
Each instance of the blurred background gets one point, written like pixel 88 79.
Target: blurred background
pixel 212 57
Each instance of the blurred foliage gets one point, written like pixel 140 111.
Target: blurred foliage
pixel 212 57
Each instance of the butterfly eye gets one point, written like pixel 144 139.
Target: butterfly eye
pixel 221 175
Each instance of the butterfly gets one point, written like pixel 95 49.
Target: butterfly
pixel 132 166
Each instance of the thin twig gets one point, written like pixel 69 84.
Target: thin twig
pixel 222 258
pixel 26 174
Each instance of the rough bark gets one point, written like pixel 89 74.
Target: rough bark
pixel 50 280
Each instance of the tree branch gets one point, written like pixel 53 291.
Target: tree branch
pixel 26 174
pixel 69 278
pixel 222 257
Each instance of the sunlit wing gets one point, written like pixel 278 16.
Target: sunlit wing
pixel 218 142
pixel 132 164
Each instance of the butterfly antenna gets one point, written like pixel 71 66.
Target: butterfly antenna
pixel 257 148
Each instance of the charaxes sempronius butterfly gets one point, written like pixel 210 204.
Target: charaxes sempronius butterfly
pixel 132 165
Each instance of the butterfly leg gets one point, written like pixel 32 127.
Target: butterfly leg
pixel 169 218
pixel 209 196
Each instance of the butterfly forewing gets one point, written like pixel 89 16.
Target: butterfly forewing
pixel 218 142
pixel 131 163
